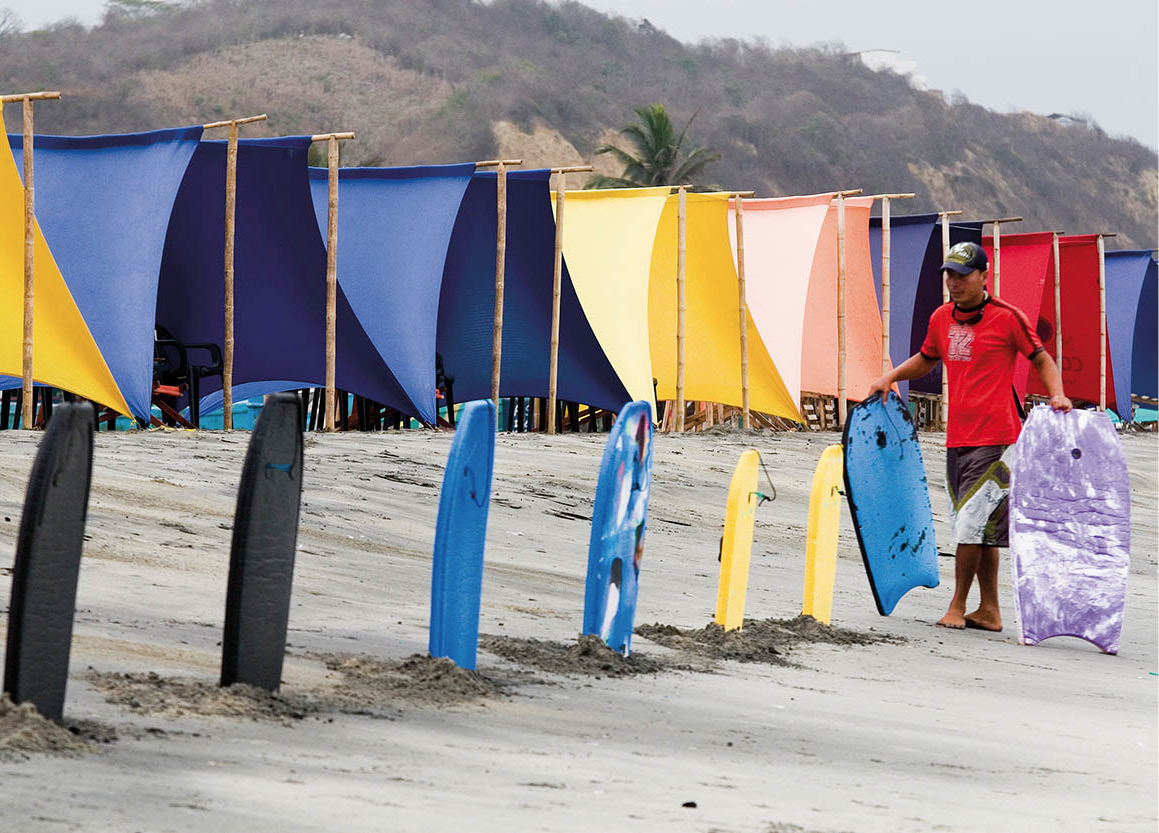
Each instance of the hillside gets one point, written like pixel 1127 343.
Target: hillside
pixel 424 81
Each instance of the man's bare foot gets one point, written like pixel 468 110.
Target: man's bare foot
pixel 984 620
pixel 954 618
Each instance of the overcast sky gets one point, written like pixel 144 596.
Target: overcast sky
pixel 1048 56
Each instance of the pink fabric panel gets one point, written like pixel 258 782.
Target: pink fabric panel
pixel 781 237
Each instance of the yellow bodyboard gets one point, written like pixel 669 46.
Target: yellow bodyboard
pixel 821 537
pixel 737 544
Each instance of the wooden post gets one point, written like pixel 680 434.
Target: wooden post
pixel 945 215
pixel 841 405
pixel 500 263
pixel 331 140
pixel 1103 324
pixel 556 289
pixel 331 278
pixel 1057 305
pixel 28 401
pixel 997 259
pixel 230 225
pixel 885 254
pixel 681 219
pixel 997 289
pixel 746 419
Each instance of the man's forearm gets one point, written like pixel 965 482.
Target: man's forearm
pixel 915 367
pixel 1048 372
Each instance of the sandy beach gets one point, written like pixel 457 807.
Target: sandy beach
pixel 912 728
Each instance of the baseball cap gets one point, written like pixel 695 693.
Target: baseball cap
pixel 964 258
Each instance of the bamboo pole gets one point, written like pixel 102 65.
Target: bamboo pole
pixel 556 285
pixel 331 277
pixel 945 215
pixel 500 263
pixel 885 277
pixel 1102 323
pixel 746 419
pixel 230 218
pixel 556 289
pixel 681 220
pixel 841 404
pixel 230 227
pixel 28 403
pixel 998 249
pixel 1057 304
pixel 332 140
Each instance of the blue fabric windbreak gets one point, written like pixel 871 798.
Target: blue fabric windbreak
pixel 394 227
pixel 913 251
pixel 103 203
pixel 929 295
pixel 467 303
pixel 279 275
pixel 1131 324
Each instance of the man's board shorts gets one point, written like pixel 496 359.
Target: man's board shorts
pixel 978 482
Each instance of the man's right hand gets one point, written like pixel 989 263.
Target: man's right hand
pixel 880 387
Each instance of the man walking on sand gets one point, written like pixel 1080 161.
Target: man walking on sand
pixel 978 339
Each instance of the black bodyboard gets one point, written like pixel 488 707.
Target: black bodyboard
pixel 48 552
pixel 265 535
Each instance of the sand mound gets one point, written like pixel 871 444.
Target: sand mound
pixel 171 697
pixel 588 656
pixel 765 640
pixel 370 684
pixel 25 732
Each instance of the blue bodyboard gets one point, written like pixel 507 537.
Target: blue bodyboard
pixel 889 499
pixel 618 522
pixel 460 536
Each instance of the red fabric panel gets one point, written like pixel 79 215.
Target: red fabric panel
pixel 1027 265
pixel 1079 279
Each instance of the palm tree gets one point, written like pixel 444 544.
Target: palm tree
pixel 657 160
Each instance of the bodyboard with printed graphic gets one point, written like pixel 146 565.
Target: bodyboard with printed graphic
pixel 821 536
pixel 736 543
pixel 1070 528
pixel 460 537
pixel 889 500
pixel 618 525
pixel 261 561
pixel 47 566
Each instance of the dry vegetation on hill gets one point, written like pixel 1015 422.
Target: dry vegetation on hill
pixel 426 81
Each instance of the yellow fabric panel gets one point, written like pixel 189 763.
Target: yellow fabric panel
pixel 607 242
pixel 821 535
pixel 64 352
pixel 736 544
pixel 712 315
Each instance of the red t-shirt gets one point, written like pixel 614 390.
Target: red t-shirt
pixel 979 360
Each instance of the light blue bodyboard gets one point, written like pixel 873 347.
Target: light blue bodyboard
pixel 618 523
pixel 460 536
pixel 889 499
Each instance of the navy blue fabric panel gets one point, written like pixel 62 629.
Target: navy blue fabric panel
pixel 103 203
pixel 394 227
pixel 279 274
pixel 929 295
pixel 1145 354
pixel 1130 322
pixel 909 248
pixel 467 303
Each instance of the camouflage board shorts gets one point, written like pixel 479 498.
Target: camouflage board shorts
pixel 978 483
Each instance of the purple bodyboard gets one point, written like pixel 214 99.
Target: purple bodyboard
pixel 1070 528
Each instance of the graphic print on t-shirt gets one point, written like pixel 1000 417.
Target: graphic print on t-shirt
pixel 961 343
